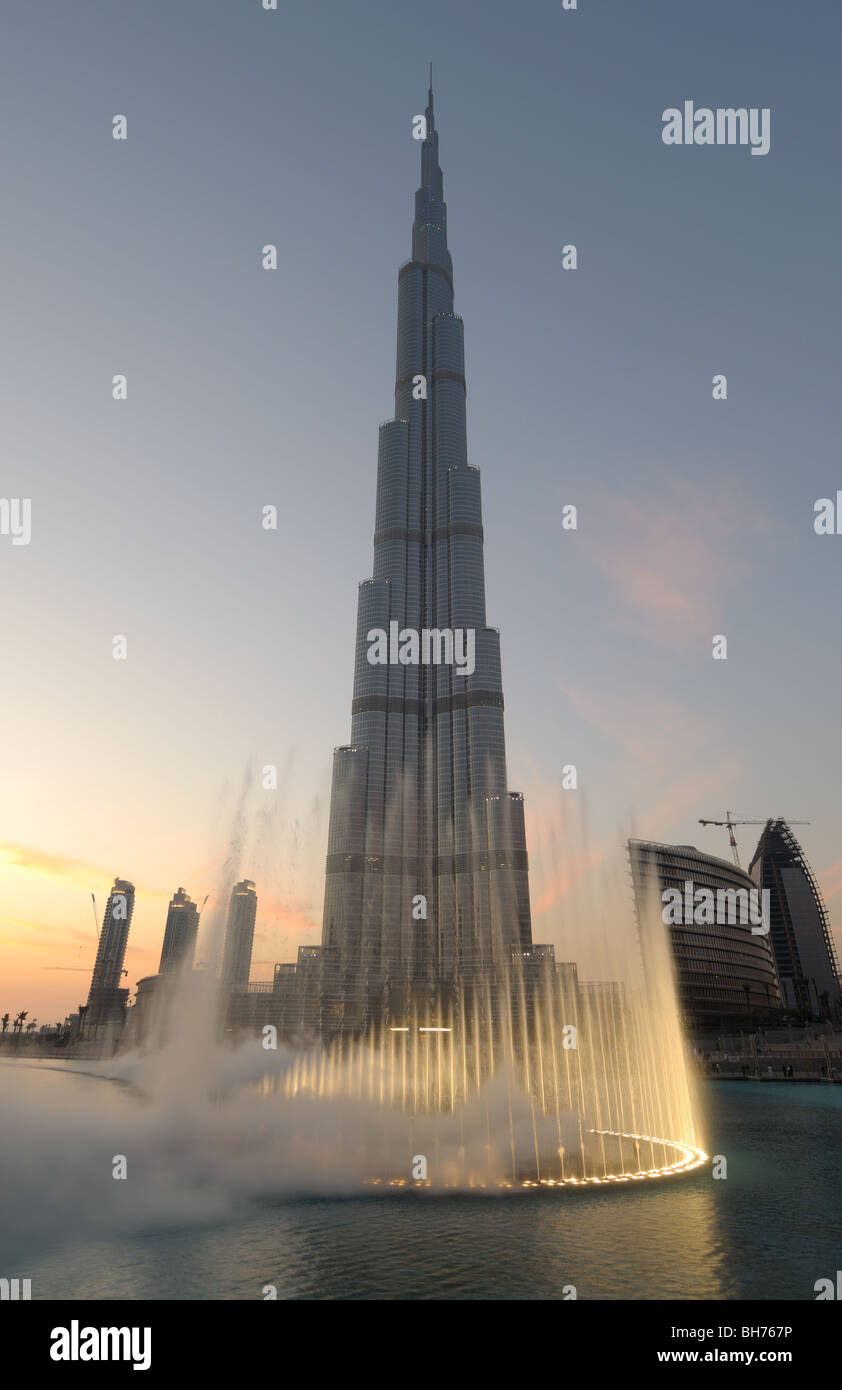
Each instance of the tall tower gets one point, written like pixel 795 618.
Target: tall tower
pixel 239 935
pixel 106 998
pixel 179 934
pixel 426 874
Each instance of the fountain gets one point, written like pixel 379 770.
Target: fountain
pixel 526 1081
pixel 522 1077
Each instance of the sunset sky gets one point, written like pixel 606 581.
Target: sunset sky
pixel 248 387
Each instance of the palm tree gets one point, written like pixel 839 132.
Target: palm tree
pixel 18 1024
pixel 5 1021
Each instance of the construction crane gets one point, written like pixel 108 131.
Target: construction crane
pixel 730 822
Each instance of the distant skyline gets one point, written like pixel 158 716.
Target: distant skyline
pixel 249 387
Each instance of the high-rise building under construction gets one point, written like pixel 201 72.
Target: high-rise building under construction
pixel 800 934
pixel 107 999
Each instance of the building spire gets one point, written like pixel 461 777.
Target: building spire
pixel 431 180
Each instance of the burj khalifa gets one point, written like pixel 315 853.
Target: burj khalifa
pixel 426 873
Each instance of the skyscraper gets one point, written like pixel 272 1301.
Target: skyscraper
pixel 106 998
pixel 799 928
pixel 179 933
pixel 426 874
pixel 239 935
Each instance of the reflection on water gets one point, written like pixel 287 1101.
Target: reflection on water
pixel 768 1231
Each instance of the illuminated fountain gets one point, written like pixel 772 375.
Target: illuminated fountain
pixel 528 1080
pixel 530 1077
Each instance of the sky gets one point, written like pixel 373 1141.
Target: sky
pixel 248 387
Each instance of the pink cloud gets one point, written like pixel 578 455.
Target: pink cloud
pixel 671 561
pixel 647 728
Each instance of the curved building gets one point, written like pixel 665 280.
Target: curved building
pixel 724 970
pixel 800 931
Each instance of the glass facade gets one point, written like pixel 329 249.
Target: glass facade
pixel 239 935
pixel 723 971
pixel 179 934
pixel 426 876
